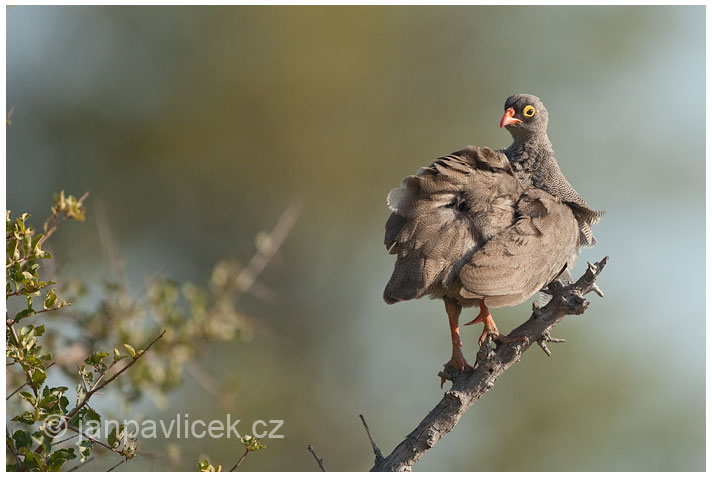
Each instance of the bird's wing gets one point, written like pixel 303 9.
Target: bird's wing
pixel 525 257
pixel 442 213
pixel 550 178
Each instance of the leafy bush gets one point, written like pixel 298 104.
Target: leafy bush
pixel 139 346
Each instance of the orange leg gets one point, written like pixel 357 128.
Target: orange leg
pixel 491 328
pixel 457 361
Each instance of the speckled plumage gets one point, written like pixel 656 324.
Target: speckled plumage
pixel 485 224
pixel 466 229
pixel 534 163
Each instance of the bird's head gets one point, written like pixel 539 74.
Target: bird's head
pixel 524 116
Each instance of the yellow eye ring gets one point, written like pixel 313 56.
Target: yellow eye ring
pixel 529 111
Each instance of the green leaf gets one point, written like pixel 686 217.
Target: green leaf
pixel 59 458
pixel 118 356
pixel 85 448
pixel 22 439
pixel 51 299
pixel 38 378
pixel 116 436
pixel 24 314
pixel 96 358
pixel 42 440
pixel 26 417
pixel 29 398
pixel 206 466
pixel 34 461
pixel 81 394
pixel 130 350
pixel 252 443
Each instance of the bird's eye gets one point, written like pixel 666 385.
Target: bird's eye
pixel 529 111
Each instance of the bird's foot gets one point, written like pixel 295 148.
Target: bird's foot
pixel 491 330
pixel 456 364
pixel 501 339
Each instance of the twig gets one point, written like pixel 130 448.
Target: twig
pixel 112 259
pixel 247 282
pixel 81 464
pixel 206 380
pixel 84 380
pixel 90 393
pixel 267 251
pixel 24 384
pixel 114 377
pixel 376 450
pixel 16 341
pixel 49 228
pixel 319 461
pixel 66 439
pixel 90 438
pixel 153 456
pixel 11 446
pixel 244 455
pixel 548 338
pixel 468 388
pixel 51 224
pixel 117 465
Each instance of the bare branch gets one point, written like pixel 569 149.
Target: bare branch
pixel 242 458
pixel 11 445
pixel 208 383
pixel 66 439
pixel 96 388
pixel 24 384
pixel 112 259
pixel 81 464
pixel 115 376
pixel 16 342
pixel 90 438
pixel 468 388
pixel 271 245
pixel 117 465
pixel 319 461
pixel 376 450
pixel 247 282
pixel 51 224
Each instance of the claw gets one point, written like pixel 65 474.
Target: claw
pixel 458 364
pixel 477 320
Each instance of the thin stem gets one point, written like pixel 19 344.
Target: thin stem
pixel 9 443
pixel 91 392
pixel 24 384
pixel 247 450
pixel 319 461
pixel 81 465
pixel 116 465
pixel 16 341
pixel 264 254
pixel 76 409
pixel 376 450
pixel 90 438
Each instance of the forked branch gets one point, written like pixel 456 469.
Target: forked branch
pixel 491 363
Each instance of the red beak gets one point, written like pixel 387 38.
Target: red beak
pixel 508 118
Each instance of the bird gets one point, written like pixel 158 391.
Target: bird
pixel 487 227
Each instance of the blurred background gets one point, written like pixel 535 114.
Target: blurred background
pixel 196 127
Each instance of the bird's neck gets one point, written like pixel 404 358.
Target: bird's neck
pixel 527 156
pixel 533 147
